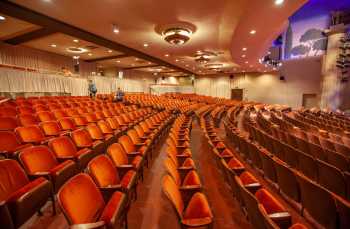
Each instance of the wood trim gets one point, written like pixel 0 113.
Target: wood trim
pixel 43 32
pixel 143 66
pixel 20 12
pixel 107 58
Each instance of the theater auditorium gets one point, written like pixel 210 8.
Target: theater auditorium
pixel 157 114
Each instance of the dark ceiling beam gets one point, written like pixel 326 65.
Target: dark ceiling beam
pixel 171 72
pixel 25 14
pixel 143 66
pixel 108 58
pixel 43 32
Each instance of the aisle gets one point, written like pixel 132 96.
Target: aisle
pixel 152 210
pixel 225 208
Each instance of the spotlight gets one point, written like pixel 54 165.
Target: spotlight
pixel 115 29
pixel 252 32
pixel 279 2
pixel 2 18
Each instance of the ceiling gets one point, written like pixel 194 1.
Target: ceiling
pixel 221 26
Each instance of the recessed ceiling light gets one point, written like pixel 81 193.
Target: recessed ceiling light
pixel 2 18
pixel 166 55
pixel 118 61
pixel 279 2
pixel 90 54
pixel 53 45
pixel 76 57
pixel 176 60
pixel 76 40
pixel 115 29
pixel 246 62
pixel 145 45
pixel 110 51
pixel 243 56
pixel 252 32
pixel 132 64
pixel 244 49
pixel 187 65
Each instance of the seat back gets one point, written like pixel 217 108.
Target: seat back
pixel 94 131
pixel 67 124
pixel 82 138
pixel 30 134
pixel 37 159
pixel 127 144
pixel 80 200
pixel 50 128
pixel 63 147
pixel 173 194
pixel 8 123
pixel 117 154
pixel 27 119
pixel 172 170
pixel 45 116
pixel 133 136
pixel 105 127
pixel 103 171
pixel 8 141
pixel 12 178
pixel 7 111
pixel 318 202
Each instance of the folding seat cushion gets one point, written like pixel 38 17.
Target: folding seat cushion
pixel 25 110
pixel 288 184
pixel 235 166
pixel 52 128
pixel 125 162
pixel 67 124
pixel 96 134
pixel 186 164
pixel 40 161
pixel 195 213
pixel 59 113
pixel 27 119
pixel 249 181
pixel 65 149
pixel 83 205
pixel 32 135
pixel 22 197
pixel 343 207
pixel 107 178
pixel 190 178
pixel 9 144
pixel 82 139
pixel 8 123
pixel 318 204
pixel 331 178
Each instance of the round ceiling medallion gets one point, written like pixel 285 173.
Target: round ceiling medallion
pixel 176 33
pixel 202 59
pixel 76 50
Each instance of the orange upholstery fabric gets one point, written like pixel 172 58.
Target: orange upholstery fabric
pixel 248 178
pixel 82 138
pixel 270 203
pixel 103 171
pixel 38 159
pixel 197 207
pixel 63 146
pixel 81 200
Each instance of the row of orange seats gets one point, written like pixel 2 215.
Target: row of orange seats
pixel 318 205
pixel 263 209
pixel 53 160
pixel 182 184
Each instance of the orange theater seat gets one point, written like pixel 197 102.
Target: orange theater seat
pixel 28 119
pixel 130 147
pixel 7 111
pixel 40 161
pixel 97 135
pixel 125 162
pixel 8 123
pixel 9 144
pixel 83 205
pixel 107 178
pixel 31 134
pixel 67 124
pixel 65 149
pixel 196 213
pixel 20 198
pixel 52 128
pixel 82 139
pixel 45 116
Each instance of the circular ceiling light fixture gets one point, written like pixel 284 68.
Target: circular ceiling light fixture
pixel 177 36
pixel 76 50
pixel 177 33
pixel 202 60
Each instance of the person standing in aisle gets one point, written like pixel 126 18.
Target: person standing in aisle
pixel 119 95
pixel 92 89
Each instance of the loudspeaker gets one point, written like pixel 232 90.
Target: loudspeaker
pixel 231 77
pixel 282 78
pixel 163 78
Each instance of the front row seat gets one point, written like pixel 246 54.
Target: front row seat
pixel 19 197
pixel 83 205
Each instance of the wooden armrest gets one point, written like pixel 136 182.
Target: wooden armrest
pixel 99 224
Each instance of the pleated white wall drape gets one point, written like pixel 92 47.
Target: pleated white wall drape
pixel 216 87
